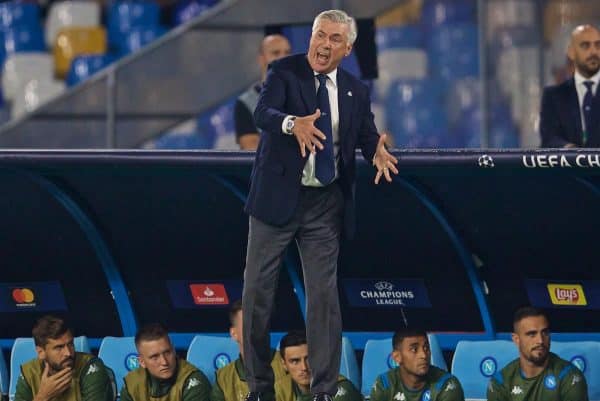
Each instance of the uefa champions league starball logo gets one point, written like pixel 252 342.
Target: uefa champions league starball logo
pixel 384 286
pixel 485 161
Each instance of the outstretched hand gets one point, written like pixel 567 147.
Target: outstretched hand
pixel 307 135
pixel 384 161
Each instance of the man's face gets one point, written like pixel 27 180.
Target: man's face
pixel 295 362
pixel 58 353
pixel 158 356
pixel 328 46
pixel 273 48
pixel 584 51
pixel 413 355
pixel 236 330
pixel 532 337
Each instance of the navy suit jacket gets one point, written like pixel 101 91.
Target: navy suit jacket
pixel 560 117
pixel 290 89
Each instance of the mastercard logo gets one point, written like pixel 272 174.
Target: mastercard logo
pixel 23 295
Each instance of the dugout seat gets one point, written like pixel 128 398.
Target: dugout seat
pixel 209 353
pixel 475 362
pixel 586 356
pixel 3 376
pixel 120 355
pixel 348 363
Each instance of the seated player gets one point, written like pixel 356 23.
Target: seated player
pixel 162 375
pixel 295 386
pixel 537 374
pixel 60 373
pixel 231 382
pixel 415 379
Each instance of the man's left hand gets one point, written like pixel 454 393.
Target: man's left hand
pixel 384 161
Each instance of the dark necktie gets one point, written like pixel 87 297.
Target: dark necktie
pixel 587 110
pixel 324 161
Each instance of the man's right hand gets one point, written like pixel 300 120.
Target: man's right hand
pixel 51 386
pixel 307 134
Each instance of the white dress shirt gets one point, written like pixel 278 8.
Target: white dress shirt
pixel 582 90
pixel 308 174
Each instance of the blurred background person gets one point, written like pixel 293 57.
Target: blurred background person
pixel 273 47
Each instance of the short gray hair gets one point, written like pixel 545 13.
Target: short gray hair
pixel 339 17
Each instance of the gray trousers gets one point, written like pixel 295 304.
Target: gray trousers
pixel 316 227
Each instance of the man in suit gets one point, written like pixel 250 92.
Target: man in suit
pixel 570 115
pixel 313 115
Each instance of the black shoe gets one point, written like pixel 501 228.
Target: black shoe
pixel 258 396
pixel 322 397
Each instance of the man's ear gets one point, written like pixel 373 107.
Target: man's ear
pixel 348 51
pixel 397 356
pixel 283 364
pixel 232 334
pixel 142 362
pixel 515 338
pixel 41 353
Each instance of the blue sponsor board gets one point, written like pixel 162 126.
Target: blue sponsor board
pixel 394 293
pixel 564 294
pixel 215 293
pixel 38 296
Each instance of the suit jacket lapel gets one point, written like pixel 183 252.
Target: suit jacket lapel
pixel 595 108
pixel 308 88
pixel 345 103
pixel 594 131
pixel 574 110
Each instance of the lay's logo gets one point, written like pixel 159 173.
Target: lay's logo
pixel 567 294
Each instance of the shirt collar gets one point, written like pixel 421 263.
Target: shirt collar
pixel 161 387
pixel 300 396
pixel 580 79
pixel 332 76
pixel 240 368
